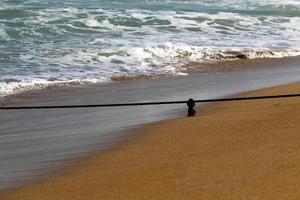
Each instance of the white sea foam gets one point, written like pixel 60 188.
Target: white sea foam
pixel 293 24
pixel 128 62
pixel 71 10
pixel 244 3
pixel 37 84
pixel 94 23
pixel 79 42
pixel 3 34
pixel 279 2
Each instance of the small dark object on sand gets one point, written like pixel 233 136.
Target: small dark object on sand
pixel 191 103
pixel 241 56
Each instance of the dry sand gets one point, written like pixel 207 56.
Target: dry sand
pixel 241 150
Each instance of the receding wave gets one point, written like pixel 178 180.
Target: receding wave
pixel 169 60
pixel 14 86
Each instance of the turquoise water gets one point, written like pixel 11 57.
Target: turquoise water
pixel 63 42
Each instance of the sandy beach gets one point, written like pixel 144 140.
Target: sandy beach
pixel 80 83
pixel 36 143
pixel 240 150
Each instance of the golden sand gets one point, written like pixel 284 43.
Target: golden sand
pixel 241 150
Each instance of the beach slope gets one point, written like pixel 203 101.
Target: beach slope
pixel 236 150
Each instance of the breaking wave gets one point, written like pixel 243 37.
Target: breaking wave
pixel 81 42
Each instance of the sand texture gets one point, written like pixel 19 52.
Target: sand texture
pixel 241 150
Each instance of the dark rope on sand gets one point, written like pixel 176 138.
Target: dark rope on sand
pixel 189 103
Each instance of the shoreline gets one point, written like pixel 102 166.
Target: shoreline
pixel 216 67
pixel 153 151
pixel 96 130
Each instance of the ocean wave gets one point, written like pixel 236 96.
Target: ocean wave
pixel 161 59
pixel 103 39
pixel 14 87
pixel 3 34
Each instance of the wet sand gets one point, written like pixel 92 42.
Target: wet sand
pixel 240 150
pixel 34 144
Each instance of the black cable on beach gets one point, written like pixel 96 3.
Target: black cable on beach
pixel 149 103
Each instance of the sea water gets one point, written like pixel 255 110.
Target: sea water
pixel 74 42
